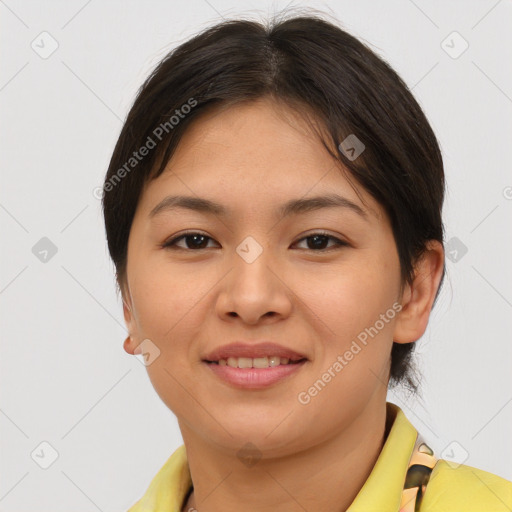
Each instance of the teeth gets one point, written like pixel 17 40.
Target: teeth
pixel 257 362
pixel 243 362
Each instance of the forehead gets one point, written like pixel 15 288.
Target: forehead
pixel 256 131
pixel 254 153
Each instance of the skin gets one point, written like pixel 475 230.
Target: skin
pixel 252 158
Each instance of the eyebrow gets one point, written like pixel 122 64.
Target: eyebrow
pixel 292 207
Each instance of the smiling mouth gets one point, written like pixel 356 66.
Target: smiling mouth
pixel 255 373
pixel 256 363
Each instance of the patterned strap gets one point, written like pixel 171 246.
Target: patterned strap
pixel 420 467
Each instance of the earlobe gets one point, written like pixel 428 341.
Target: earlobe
pixel 419 296
pixel 128 345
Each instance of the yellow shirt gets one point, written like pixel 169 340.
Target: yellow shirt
pixel 449 487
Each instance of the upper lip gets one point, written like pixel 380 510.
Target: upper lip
pixel 252 350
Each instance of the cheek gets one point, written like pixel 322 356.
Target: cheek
pixel 356 305
pixel 169 307
pixel 350 298
pixel 166 301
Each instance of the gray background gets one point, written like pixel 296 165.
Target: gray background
pixel 64 376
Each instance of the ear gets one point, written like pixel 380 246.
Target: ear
pixel 418 297
pixel 130 344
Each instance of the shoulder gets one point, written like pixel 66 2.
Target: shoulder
pixel 466 489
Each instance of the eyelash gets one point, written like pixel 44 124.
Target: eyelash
pixel 171 244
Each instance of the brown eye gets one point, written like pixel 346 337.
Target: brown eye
pixel 317 242
pixel 193 241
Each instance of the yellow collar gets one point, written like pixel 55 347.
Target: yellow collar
pixel 382 490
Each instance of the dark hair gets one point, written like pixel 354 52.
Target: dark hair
pixel 315 67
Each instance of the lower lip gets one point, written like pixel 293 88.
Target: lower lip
pixel 254 378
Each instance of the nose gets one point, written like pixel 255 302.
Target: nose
pixel 254 292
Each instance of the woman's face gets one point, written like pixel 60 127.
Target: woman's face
pixel 253 275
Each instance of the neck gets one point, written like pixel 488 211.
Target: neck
pixel 326 476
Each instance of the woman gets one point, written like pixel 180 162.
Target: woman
pixel 273 209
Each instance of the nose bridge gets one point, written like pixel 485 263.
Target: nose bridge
pixel 251 267
pixel 253 289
